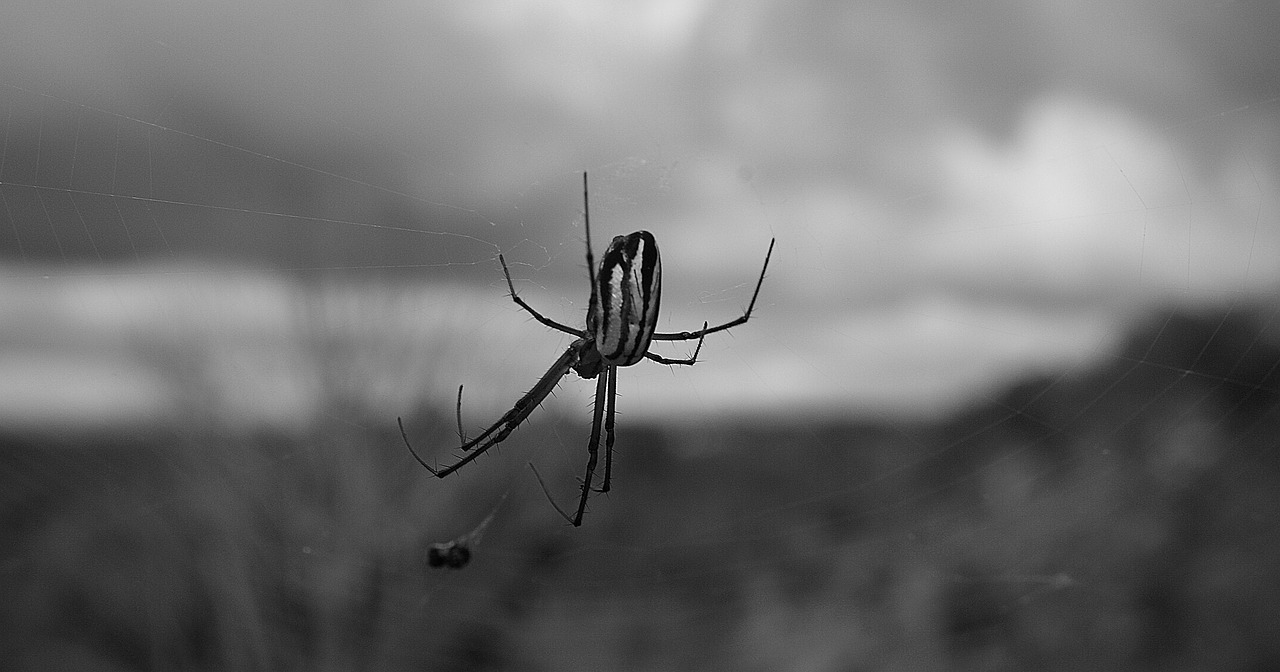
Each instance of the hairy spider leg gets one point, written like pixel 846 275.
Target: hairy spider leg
pixel 689 361
pixel 591 259
pixel 511 288
pixel 593 446
pixel 608 428
pixel 690 335
pixel 499 430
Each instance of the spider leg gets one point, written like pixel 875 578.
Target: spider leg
pixel 593 446
pixel 612 372
pixel 413 452
pixel 685 362
pixel 529 309
pixel 498 431
pixel 690 335
pixel 591 260
pixel 462 435
pixel 547 492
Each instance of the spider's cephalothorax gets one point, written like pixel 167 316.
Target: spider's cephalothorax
pixel 621 317
pixel 586 359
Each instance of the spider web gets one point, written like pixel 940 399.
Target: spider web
pixel 903 461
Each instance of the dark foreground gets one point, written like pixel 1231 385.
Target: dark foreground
pixel 1122 518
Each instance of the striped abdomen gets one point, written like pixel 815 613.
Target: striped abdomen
pixel 628 289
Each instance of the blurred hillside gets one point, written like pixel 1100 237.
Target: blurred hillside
pixel 1117 518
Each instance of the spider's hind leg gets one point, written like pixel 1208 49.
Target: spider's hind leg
pixel 593 446
pixel 551 499
pixel 611 399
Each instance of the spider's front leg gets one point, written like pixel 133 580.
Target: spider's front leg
pixel 511 288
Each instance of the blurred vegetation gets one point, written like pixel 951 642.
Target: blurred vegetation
pixel 1120 518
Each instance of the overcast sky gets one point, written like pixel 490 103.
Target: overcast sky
pixel 959 190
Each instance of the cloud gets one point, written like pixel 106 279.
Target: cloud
pixel 1091 200
pixel 935 173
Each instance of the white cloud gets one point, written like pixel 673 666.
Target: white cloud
pixel 1086 196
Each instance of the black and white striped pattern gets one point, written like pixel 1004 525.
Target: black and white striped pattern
pixel 628 287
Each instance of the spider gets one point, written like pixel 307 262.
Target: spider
pixel 455 554
pixel 621 317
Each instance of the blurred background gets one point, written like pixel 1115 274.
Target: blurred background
pixel 1008 399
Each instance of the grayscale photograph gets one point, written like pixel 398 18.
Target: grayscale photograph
pixel 658 335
